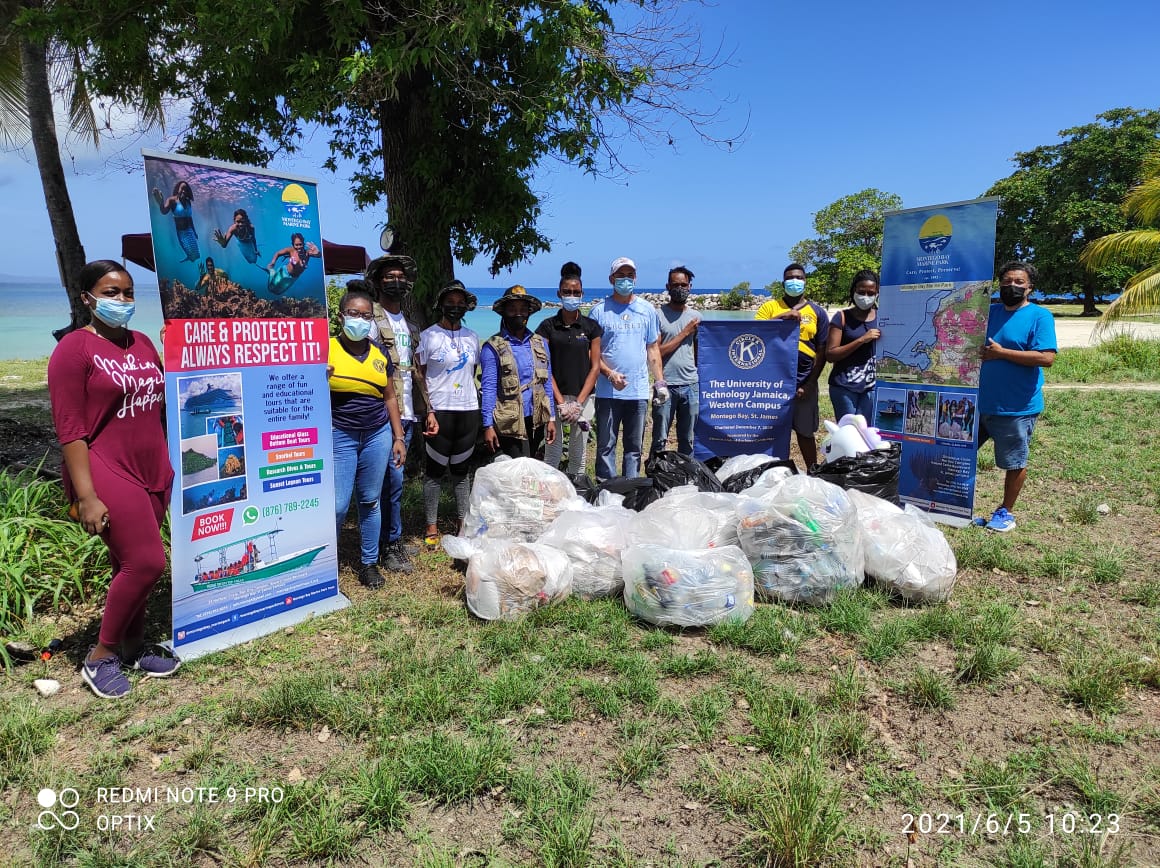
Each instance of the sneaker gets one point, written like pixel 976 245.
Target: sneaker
pixel 105 677
pixel 395 559
pixel 370 577
pixel 979 521
pixel 1002 521
pixel 155 661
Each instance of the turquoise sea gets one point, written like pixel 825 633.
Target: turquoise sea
pixel 33 310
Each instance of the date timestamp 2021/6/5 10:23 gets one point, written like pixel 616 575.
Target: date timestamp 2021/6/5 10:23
pixel 1063 823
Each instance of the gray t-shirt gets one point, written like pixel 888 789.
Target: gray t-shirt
pixel 681 366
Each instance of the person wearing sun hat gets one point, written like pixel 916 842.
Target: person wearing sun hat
pixel 519 408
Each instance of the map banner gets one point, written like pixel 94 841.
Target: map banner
pixel 937 265
pixel 239 266
pixel 748 376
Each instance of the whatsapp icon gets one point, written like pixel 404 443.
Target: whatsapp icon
pixel 250 515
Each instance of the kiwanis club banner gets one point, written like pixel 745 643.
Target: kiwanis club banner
pixel 937 265
pixel 239 266
pixel 748 374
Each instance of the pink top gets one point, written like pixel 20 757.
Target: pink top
pixel 113 398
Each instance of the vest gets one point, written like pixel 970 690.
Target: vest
pixel 350 376
pixel 508 417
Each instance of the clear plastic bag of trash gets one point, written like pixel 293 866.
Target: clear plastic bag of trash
pixel 687 588
pixel 593 540
pixel 517 499
pixel 905 551
pixel 506 579
pixel 674 524
pixel 735 464
pixel 721 504
pixel 803 540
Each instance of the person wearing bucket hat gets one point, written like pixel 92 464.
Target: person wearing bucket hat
pixel 629 352
pixel 389 279
pixel 448 355
pixel 519 407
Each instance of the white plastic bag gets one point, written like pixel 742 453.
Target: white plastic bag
pixel 740 463
pixel 905 551
pixel 517 499
pixel 506 579
pixel 593 540
pixel 687 588
pixel 803 540
pixel 721 504
pixel 674 525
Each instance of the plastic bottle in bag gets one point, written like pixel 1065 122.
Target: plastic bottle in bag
pixel 687 588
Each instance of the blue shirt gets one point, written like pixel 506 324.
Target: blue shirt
pixel 525 364
pixel 629 328
pixel 1005 388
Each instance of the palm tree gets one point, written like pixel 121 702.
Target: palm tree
pixel 1139 248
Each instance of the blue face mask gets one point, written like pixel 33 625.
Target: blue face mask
pixel 624 285
pixel 111 312
pixel 356 328
pixel 571 302
pixel 794 287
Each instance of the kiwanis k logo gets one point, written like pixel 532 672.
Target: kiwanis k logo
pixel 747 351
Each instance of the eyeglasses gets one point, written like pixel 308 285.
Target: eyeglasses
pixel 354 314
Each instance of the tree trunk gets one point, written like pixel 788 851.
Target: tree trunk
pixel 420 231
pixel 1089 300
pixel 70 254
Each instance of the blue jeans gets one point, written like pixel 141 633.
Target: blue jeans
pixel 613 414
pixel 360 462
pixel 846 402
pixel 683 402
pixel 393 491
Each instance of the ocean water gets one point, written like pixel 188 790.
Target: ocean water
pixel 33 310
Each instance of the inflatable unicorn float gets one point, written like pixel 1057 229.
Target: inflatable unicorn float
pixel 851 436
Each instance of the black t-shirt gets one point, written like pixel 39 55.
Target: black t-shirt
pixel 570 348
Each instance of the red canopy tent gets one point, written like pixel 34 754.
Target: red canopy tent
pixel 338 258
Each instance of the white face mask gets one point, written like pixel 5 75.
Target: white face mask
pixel 865 302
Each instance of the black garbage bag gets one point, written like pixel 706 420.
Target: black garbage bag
pixel 874 472
pixel 638 491
pixel 585 486
pixel 738 482
pixel 714 462
pixel 670 469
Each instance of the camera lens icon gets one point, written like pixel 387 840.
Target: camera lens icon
pixel 67 819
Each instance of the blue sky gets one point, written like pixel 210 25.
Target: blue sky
pixel 929 101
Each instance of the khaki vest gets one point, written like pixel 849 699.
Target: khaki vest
pixel 508 418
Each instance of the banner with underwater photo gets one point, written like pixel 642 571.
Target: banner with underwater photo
pixel 937 265
pixel 747 375
pixel 239 267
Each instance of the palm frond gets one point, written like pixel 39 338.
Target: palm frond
pixel 15 131
pixel 1142 203
pixel 69 81
pixel 1133 246
pixel 1141 295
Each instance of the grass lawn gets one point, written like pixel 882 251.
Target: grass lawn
pixel 1018 724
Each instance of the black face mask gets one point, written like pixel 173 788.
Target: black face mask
pixel 394 287
pixel 678 296
pixel 515 323
pixel 1011 295
pixel 454 313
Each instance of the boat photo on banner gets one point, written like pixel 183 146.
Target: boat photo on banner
pixel 937 265
pixel 239 268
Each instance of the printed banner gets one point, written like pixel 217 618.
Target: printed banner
pixel 937 265
pixel 239 266
pixel 748 377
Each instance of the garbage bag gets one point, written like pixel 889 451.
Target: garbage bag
pixel 638 491
pixel 803 540
pixel 506 579
pixel 874 472
pixel 905 551
pixel 668 469
pixel 585 486
pixel 593 540
pixel 674 525
pixel 765 475
pixel 722 505
pixel 687 588
pixel 517 499
pixel 735 464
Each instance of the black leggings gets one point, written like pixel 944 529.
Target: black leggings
pixel 451 449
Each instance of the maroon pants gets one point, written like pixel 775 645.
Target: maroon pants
pixel 135 551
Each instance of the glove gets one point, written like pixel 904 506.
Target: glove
pixel 660 393
pixel 570 411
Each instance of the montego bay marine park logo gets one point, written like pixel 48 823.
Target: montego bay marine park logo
pixel 935 234
pixel 747 351
pixel 295 200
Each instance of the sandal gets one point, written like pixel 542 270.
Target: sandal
pixel 431 540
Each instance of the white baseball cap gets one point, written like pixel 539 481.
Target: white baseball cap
pixel 620 262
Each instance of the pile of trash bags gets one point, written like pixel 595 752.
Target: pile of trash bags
pixel 695 553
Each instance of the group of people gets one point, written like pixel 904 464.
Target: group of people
pixel 388 379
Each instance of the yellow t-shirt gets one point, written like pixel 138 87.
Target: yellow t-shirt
pixel 809 326
pixel 352 377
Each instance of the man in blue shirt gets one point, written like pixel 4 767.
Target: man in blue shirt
pixel 519 409
pixel 1020 344
pixel 629 352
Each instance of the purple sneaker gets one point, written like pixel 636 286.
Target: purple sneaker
pixel 155 661
pixel 105 677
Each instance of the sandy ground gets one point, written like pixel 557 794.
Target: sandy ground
pixel 1077 332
